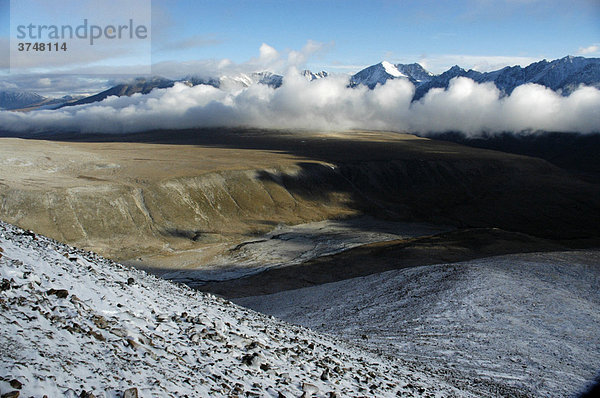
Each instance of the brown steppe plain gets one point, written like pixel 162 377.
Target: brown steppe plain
pixel 177 199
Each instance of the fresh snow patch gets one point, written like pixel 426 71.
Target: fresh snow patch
pixel 392 70
pixel 515 324
pixel 71 321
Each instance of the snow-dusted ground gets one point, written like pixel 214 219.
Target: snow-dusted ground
pixel 72 321
pixel 530 322
pixel 294 244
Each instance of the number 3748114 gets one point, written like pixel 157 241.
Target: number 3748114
pixel 37 46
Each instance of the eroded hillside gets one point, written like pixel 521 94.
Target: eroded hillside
pixel 161 197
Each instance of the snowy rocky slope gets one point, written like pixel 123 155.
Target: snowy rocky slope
pixel 74 324
pixel 526 322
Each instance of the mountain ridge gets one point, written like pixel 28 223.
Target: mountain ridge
pixel 562 75
pixel 382 72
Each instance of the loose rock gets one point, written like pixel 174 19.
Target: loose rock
pixel 249 359
pixel 60 293
pixel 130 393
pixel 310 388
pixel 4 285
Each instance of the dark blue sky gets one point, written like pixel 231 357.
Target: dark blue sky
pixel 348 35
pixel 440 33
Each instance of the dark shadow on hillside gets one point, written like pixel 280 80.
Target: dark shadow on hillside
pixel 578 153
pixel 593 390
pixel 448 247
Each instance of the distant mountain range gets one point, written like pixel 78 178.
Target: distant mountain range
pixel 24 100
pixel 562 75
pixel 18 99
pixel 139 85
pixel 239 81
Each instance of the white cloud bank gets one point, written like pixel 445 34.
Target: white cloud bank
pixel 593 49
pixel 328 104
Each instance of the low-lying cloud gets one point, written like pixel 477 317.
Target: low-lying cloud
pixel 328 104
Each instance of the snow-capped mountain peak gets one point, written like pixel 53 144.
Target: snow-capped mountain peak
pixel 561 75
pixel 382 72
pixel 415 72
pixel 376 74
pixel 18 99
pixel 312 75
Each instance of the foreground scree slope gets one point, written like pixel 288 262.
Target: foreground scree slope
pixel 71 321
pixel 528 322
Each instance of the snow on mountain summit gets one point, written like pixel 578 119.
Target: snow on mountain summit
pixel 382 72
pixel 18 99
pixel 563 75
pixel 74 324
pixel 392 70
pixel 310 76
pixel 375 74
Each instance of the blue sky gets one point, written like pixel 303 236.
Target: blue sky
pixel 360 33
pixel 346 36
